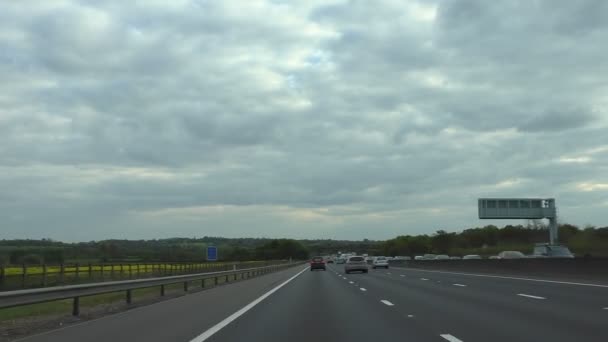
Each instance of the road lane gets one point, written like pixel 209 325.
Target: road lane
pixel 318 306
pixel 476 313
pixel 179 319
pixel 575 297
pixel 382 306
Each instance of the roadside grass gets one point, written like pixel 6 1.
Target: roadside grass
pixel 116 268
pixel 35 277
pixel 64 307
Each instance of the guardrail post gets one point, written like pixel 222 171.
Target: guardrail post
pixel 76 306
pixel 61 273
pixel 227 279
pixel 162 290
pixel 112 271
pixel 101 270
pixel 23 275
pixel 129 296
pixel 203 283
pixel 216 281
pixel 44 275
pixel 185 286
pixel 77 272
pixel 2 273
pixel 90 271
pixel 130 271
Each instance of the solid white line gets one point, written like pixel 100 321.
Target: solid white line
pixel 387 302
pixel 461 285
pixel 530 296
pixel 214 329
pixel 363 289
pixel 450 338
pixel 514 278
pixel 423 279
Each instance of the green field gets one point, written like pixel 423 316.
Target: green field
pixel 35 276
pixel 107 268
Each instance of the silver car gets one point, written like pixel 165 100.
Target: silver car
pixel 544 250
pixel 511 255
pixel 355 263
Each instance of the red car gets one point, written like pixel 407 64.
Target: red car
pixel 317 263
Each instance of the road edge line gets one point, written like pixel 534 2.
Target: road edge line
pixel 219 326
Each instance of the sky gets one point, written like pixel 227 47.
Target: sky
pixel 305 119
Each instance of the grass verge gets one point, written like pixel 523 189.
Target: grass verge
pixel 116 299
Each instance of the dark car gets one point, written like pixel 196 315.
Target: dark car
pixel 317 263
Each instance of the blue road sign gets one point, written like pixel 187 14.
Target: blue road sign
pixel 211 253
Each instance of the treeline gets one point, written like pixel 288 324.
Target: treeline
pixel 486 240
pixel 166 250
pixel 490 240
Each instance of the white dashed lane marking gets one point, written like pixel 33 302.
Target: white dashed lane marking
pixel 450 338
pixel 423 279
pixel 530 296
pixel 461 285
pixel 386 302
pixel 363 289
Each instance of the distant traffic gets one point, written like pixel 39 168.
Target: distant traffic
pixel 541 250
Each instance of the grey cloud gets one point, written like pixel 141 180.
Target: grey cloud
pixel 296 119
pixel 559 120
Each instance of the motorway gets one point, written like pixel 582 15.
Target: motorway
pixel 397 304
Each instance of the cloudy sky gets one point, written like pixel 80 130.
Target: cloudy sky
pixel 304 119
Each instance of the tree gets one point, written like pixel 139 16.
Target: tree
pixel 442 241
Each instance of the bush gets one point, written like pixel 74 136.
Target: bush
pixel 31 259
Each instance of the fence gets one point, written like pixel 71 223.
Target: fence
pixel 26 277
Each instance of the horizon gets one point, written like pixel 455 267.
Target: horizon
pixel 459 231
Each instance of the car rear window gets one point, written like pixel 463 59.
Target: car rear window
pixel 356 259
pixel 317 259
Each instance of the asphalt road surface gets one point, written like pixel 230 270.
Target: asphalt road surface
pixel 384 305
